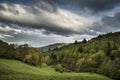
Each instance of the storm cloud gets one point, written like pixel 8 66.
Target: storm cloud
pixel 93 5
pixel 112 21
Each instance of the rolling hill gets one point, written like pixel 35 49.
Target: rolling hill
pixel 99 55
pixel 51 47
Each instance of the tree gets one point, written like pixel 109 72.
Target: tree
pixel 59 68
pixel 115 54
pixel 99 36
pixel 33 57
pixel 80 49
pixel 79 64
pixel 108 49
pixel 98 58
pixel 47 59
pixel 75 42
pixel 53 58
pixel 49 49
pixel 84 40
pixel 22 51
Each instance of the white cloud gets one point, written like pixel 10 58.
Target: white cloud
pixel 2 36
pixel 7 31
pixel 7 28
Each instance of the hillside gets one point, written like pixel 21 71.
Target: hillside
pixel 16 70
pixel 99 55
pixel 51 47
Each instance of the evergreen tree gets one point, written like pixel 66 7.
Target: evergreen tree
pixel 84 40
pixel 108 49
pixel 80 49
pixel 75 42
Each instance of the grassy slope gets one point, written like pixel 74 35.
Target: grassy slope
pixel 16 70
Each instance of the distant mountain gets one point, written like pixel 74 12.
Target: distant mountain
pixel 51 47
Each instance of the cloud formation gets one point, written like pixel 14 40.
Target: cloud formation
pixel 43 22
pixel 8 31
pixel 60 22
pixel 34 37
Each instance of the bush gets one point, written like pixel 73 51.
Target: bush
pixel 115 74
pixel 59 68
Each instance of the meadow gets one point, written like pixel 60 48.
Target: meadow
pixel 17 70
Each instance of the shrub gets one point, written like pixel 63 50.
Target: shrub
pixel 59 68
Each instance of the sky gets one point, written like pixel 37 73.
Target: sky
pixel 43 22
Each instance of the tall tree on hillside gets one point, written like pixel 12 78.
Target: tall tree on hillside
pixel 75 42
pixel 53 58
pixel 84 40
pixel 80 49
pixel 108 49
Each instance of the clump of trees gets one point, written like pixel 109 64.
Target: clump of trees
pixel 22 52
pixel 33 57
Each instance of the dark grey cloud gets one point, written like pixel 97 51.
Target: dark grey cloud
pixel 107 24
pixel 112 21
pixel 94 5
pixel 101 28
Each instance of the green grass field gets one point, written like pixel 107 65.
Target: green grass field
pixel 16 70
